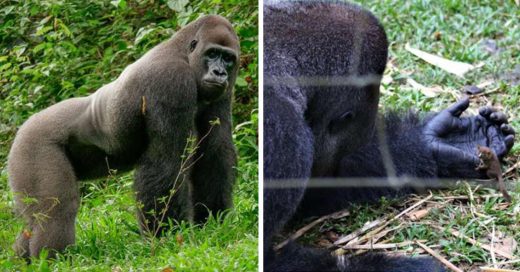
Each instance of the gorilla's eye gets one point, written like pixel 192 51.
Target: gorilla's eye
pixel 341 122
pixel 228 58
pixel 193 44
pixel 212 54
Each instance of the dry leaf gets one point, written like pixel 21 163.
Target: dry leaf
pixel 507 244
pixel 332 236
pixel 437 35
pixel 180 239
pixel 26 234
pixel 417 215
pixel 454 67
pixel 427 91
pixel 168 269
pixel 387 79
pixel 117 269
pixel 492 269
pixel 323 243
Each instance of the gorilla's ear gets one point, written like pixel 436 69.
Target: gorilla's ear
pixel 193 44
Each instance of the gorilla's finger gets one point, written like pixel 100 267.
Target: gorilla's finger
pixel 498 117
pixel 496 141
pixel 458 107
pixel 509 141
pixel 507 129
pixel 456 154
pixel 486 111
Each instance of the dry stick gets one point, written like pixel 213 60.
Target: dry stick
pixel 493 258
pixel 306 228
pixel 510 169
pixel 492 269
pixel 509 262
pixel 474 197
pixel 477 243
pixel 436 255
pixel 380 246
pixel 379 221
pixel 360 231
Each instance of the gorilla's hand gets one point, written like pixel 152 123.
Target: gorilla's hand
pixel 455 138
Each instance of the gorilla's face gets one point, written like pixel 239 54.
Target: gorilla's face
pixel 340 123
pixel 218 63
pixel 214 57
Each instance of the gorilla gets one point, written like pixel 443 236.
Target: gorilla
pixel 323 67
pixel 143 120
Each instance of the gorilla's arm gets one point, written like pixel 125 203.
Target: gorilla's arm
pixel 170 111
pixel 417 151
pixel 214 174
pixel 287 157
pixel 441 145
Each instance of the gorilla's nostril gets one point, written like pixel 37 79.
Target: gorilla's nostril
pixel 218 72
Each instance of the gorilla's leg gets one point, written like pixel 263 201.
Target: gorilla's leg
pixel 162 180
pixel 46 195
pixel 214 174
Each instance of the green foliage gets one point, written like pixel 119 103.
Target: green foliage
pixel 52 50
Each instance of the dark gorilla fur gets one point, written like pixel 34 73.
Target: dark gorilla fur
pixel 323 66
pixel 143 119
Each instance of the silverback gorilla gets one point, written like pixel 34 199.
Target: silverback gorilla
pixel 323 66
pixel 143 119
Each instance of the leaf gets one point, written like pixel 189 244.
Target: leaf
pixel 177 5
pixel 42 30
pixel 142 33
pixel 455 67
pixel 119 3
pixel 508 245
pixel 427 91
pixel 419 214
pixel 5 66
pixel 241 82
pixel 39 47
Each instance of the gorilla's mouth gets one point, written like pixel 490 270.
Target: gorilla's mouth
pixel 215 83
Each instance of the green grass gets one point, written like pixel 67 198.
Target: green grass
pixel 462 26
pixel 54 50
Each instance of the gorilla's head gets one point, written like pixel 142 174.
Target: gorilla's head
pixel 341 61
pixel 214 56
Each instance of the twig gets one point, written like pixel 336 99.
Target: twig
pixel 436 255
pixel 306 228
pixel 467 197
pixel 476 243
pixel 493 258
pixel 380 246
pixel 509 262
pixel 492 269
pixel 510 169
pixel 380 221
pixel 360 231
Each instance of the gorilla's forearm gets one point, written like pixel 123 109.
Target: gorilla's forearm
pixel 362 175
pixel 214 171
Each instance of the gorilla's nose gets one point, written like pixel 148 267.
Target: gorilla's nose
pixel 219 72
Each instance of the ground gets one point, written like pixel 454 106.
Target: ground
pixel 485 35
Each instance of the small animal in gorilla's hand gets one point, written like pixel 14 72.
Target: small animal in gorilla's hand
pixel 143 119
pixel 490 163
